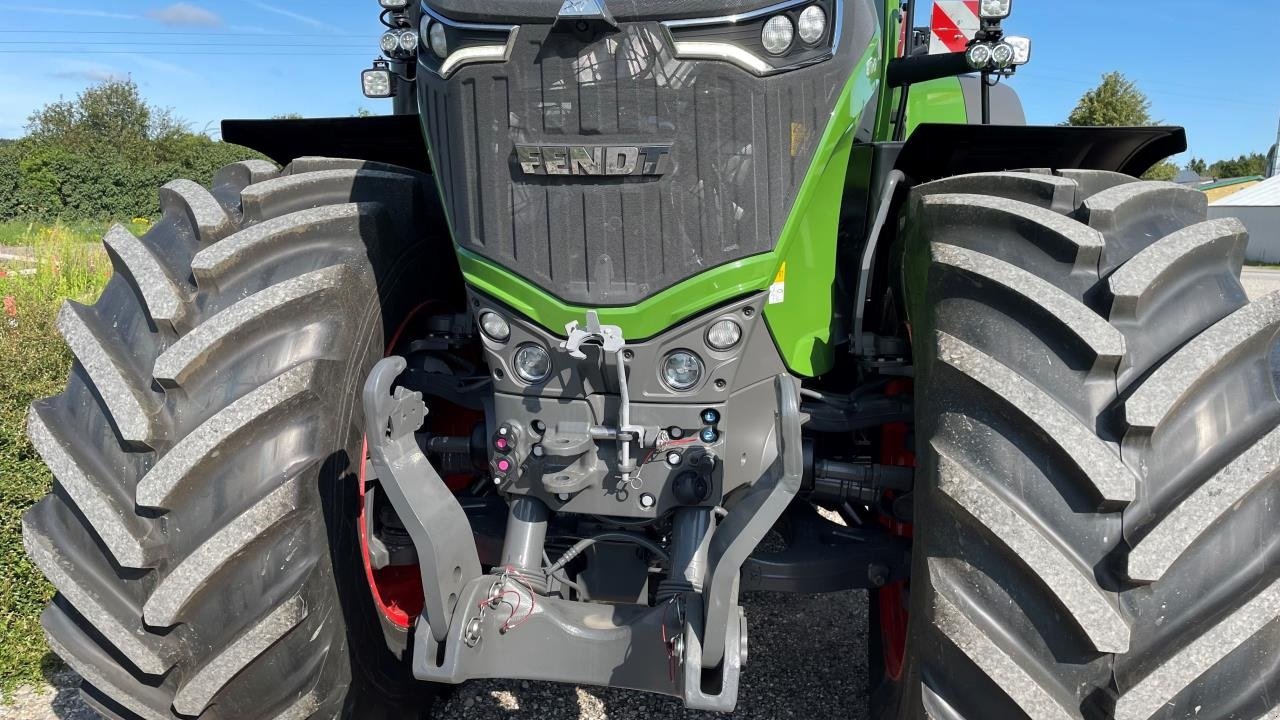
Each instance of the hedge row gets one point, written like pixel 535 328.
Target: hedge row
pixel 46 181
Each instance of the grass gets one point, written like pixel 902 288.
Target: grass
pixel 27 233
pixel 67 262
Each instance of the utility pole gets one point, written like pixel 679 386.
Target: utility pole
pixel 1273 165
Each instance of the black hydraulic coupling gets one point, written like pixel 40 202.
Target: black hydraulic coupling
pixel 837 482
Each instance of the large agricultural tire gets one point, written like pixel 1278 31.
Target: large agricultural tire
pixel 1097 512
pixel 201 533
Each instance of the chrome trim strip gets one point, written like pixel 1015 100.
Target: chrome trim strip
pixel 737 55
pixel 465 26
pixel 740 17
pixel 728 52
pixel 468 55
pixel 472 55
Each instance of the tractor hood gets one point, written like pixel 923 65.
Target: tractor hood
pixel 623 10
pixel 605 162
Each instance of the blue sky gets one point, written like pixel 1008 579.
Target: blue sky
pixel 1205 64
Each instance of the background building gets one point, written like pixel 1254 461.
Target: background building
pixel 1259 209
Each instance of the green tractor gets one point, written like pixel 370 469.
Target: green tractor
pixel 632 308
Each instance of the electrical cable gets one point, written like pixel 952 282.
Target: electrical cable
pixel 561 577
pixel 533 602
pixel 614 536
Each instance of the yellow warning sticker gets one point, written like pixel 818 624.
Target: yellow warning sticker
pixel 778 290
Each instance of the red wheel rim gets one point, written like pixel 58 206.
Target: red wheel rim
pixel 891 599
pixel 893 629
pixel 397 590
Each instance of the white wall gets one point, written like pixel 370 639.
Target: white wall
pixel 1264 230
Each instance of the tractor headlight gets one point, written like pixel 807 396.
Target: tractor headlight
pixel 978 56
pixel 1002 55
pixel 495 327
pixel 408 42
pixel 787 35
pixel 995 9
pixel 394 4
pixel 681 370
pixel 389 42
pixel 377 82
pixel 812 26
pixel 1021 48
pixel 777 34
pixel 533 363
pixel 724 334
pixel 439 40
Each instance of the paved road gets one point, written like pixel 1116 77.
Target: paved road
pixel 1260 281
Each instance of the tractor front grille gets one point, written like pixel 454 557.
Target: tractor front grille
pixel 740 146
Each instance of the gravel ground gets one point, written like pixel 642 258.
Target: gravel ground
pixel 59 700
pixel 806 661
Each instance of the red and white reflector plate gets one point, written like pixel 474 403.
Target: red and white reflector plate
pixel 954 24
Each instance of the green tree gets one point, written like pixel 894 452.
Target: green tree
pixel 1117 102
pixel 102 155
pixel 1198 166
pixel 110 117
pixel 1243 166
pixel 1165 171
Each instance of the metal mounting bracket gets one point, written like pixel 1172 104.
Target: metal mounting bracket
pixel 609 337
pixel 431 514
pixel 612 342
pixel 749 521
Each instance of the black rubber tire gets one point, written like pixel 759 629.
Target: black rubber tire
pixel 1099 455
pixel 201 533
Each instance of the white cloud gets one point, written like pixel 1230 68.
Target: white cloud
pixel 83 71
pixel 57 10
pixel 304 19
pixel 93 75
pixel 184 15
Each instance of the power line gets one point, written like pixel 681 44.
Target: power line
pixel 164 53
pixel 91 44
pixel 156 32
pixel 1035 76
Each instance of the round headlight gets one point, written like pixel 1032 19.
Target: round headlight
pixel 494 327
pixel 777 34
pixel 389 42
pixel 681 370
pixel 533 363
pixel 813 24
pixel 1003 54
pixel 408 41
pixel 979 56
pixel 724 334
pixel 439 40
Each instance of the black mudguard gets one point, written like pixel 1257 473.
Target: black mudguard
pixel 395 139
pixel 936 151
